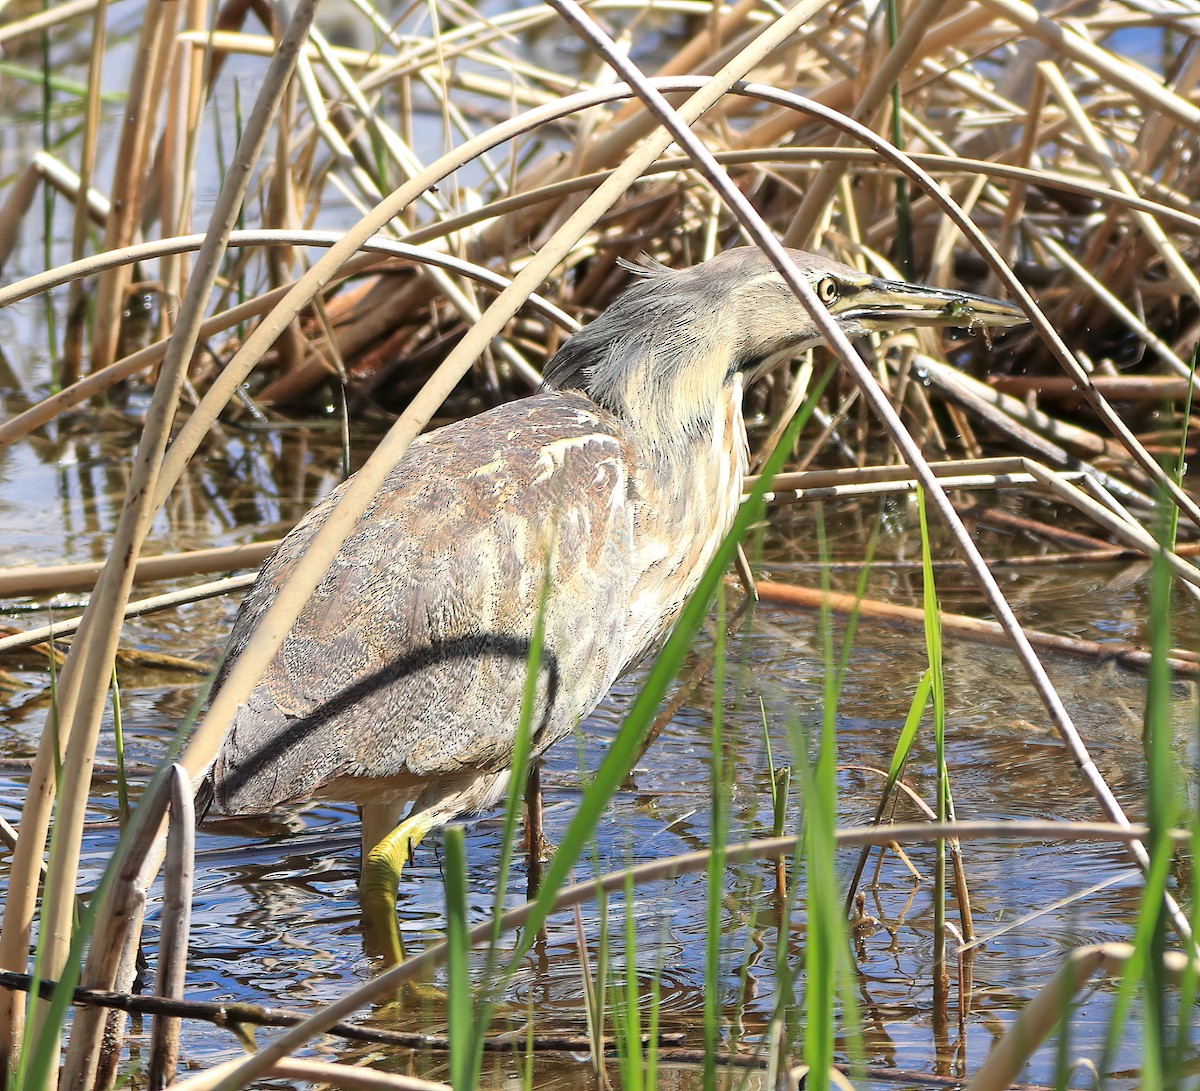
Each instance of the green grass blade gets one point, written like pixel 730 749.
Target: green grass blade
pixel 828 967
pixel 933 649
pixel 718 838
pixel 466 1049
pixel 119 744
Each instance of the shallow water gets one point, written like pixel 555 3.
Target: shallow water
pixel 276 918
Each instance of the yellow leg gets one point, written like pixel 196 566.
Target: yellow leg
pixel 381 869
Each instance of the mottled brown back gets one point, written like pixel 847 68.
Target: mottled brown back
pixel 410 658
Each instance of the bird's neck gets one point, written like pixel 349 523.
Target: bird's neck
pixel 710 457
pixel 688 499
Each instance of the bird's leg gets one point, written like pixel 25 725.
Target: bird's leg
pixel 381 868
pixel 535 842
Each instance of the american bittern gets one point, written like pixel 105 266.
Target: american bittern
pixel 400 685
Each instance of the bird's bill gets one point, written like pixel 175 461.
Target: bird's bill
pixel 882 305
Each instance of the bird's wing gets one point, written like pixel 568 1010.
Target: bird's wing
pixel 410 658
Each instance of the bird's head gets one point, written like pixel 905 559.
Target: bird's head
pixel 661 356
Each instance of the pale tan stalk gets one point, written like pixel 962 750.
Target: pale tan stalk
pixel 44 168
pixel 194 64
pixel 21 193
pixel 1015 207
pixel 171 970
pixel 43 20
pixel 132 609
pixel 88 387
pixel 129 180
pixel 125 900
pixel 171 162
pixel 801 232
pixel 1158 129
pixel 1013 469
pixel 699 50
pixel 941 256
pixel 327 1074
pixel 1041 1014
pixel 63 179
pixel 1075 440
pixel 112 592
pixel 76 311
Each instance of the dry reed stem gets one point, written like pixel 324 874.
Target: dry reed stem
pixel 1002 408
pixel 1159 130
pixel 266 237
pixel 328 1074
pixel 1045 909
pixel 171 970
pixel 112 590
pixel 16 205
pixel 170 163
pixel 1012 469
pixel 1041 1014
pixel 962 892
pixel 76 312
pixel 54 579
pixel 981 631
pixel 355 1078
pixel 45 20
pixel 125 900
pixel 1119 388
pixel 58 629
pixel 802 231
pixel 62 179
pixel 129 177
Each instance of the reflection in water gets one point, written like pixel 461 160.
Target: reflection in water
pixel 276 915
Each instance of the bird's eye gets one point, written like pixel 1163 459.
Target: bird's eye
pixel 827 290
